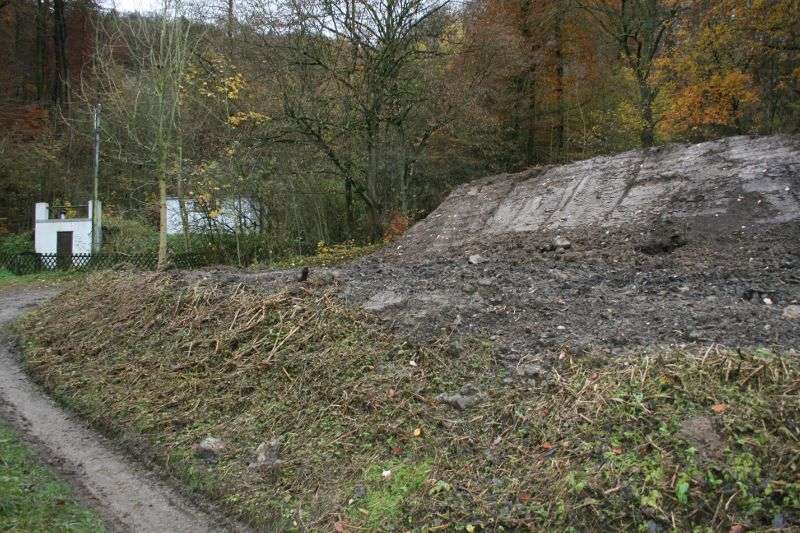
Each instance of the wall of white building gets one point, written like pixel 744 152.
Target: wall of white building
pixel 46 231
pixel 236 215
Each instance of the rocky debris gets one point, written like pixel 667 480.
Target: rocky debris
pixel 531 371
pixel 560 242
pixel 384 300
pixel 759 296
pixel 467 397
pixel 791 312
pixel 607 298
pixel 267 457
pixel 662 245
pixel 476 259
pixel 210 448
pixel 701 434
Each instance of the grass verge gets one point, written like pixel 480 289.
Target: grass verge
pixel 659 440
pixel 9 280
pixel 31 498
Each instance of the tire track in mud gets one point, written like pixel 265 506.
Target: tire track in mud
pixel 125 494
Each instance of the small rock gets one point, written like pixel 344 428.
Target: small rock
pixel 360 491
pixel 477 259
pixel 455 348
pixel 767 300
pixel 383 300
pixel 791 312
pixel 468 288
pixel 210 448
pixel 700 433
pixel 531 371
pixel 466 398
pixel 486 282
pixel 267 457
pixel 561 242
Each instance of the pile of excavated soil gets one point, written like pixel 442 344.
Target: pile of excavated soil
pixel 677 244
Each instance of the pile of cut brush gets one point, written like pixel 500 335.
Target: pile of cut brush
pixel 294 411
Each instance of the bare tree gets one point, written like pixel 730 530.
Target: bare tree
pixel 363 57
pixel 140 70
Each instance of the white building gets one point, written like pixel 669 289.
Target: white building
pixel 232 215
pixel 55 233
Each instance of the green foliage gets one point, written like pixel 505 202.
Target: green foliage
pixel 129 235
pixel 16 244
pixel 32 498
pixel 388 489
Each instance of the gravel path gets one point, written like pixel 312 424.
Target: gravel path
pixel 124 493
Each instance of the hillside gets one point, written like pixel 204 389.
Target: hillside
pixel 641 376
pixel 684 243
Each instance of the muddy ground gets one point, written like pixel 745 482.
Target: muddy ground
pixel 676 245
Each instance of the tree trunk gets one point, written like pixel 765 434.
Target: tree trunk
pixel 42 8
pixel 162 207
pixel 348 204
pixel 646 96
pixel 559 53
pixel 61 79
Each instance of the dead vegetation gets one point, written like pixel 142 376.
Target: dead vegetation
pixel 655 440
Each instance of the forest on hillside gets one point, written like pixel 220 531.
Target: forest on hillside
pixel 349 119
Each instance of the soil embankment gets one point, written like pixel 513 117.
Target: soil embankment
pixel 127 496
pixel 677 244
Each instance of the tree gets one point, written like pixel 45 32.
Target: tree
pixel 140 70
pixel 639 29
pixel 367 92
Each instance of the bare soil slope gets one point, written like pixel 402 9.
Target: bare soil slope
pixel 696 243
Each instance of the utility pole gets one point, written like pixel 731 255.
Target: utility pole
pixel 96 228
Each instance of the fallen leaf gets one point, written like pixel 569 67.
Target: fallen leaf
pixel 524 497
pixel 392 393
pixel 340 526
pixel 737 528
pixel 547 446
pixel 719 408
pixel 617 451
pixel 418 432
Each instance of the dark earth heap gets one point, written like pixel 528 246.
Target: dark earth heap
pixel 672 245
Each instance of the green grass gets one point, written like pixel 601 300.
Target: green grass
pixel 159 363
pixel 9 280
pixel 31 498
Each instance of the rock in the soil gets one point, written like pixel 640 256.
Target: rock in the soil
pixel 700 433
pixel 562 243
pixel 477 259
pixel 210 448
pixel 531 371
pixel 464 399
pixel 383 300
pixel 791 312
pixel 267 457
pixel 457 401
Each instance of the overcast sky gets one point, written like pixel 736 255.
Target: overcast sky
pixel 133 5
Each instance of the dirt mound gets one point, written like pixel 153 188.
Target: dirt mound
pixel 679 244
pixel 711 188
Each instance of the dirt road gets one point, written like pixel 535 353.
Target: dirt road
pixel 127 496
